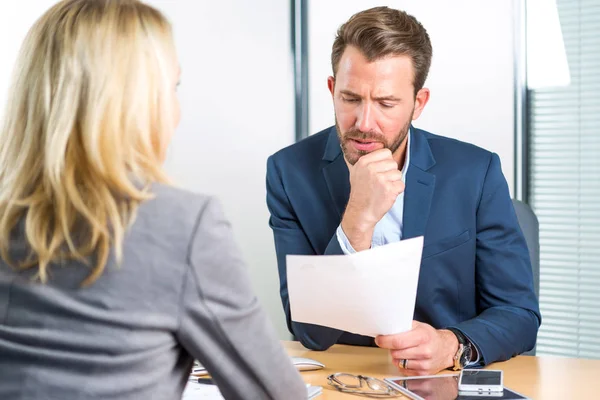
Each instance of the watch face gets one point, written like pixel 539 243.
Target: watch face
pixel 465 357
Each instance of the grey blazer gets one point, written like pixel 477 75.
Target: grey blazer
pixel 182 292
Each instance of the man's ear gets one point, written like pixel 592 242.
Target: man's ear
pixel 420 101
pixel 331 85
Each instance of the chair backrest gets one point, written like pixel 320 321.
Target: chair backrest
pixel 531 230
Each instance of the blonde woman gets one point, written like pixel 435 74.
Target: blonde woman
pixel 112 281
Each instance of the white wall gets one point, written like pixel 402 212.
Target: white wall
pixel 471 77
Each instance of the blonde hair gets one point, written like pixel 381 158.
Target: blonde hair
pixel 89 113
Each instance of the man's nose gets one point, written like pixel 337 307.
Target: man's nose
pixel 365 121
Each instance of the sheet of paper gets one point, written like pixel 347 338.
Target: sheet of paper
pixel 372 292
pixel 197 391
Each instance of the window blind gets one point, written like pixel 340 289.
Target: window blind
pixel 564 189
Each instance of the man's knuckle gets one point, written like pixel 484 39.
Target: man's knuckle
pixel 427 353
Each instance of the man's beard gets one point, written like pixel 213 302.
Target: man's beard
pixel 353 155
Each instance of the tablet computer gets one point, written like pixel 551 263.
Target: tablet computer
pixel 443 387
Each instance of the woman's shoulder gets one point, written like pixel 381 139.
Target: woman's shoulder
pixel 172 196
pixel 172 212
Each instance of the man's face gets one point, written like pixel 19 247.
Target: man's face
pixel 374 103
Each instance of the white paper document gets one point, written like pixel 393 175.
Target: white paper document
pixel 198 391
pixel 372 292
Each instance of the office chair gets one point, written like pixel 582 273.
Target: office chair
pixel 531 230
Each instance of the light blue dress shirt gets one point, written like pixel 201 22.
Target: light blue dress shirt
pixel 389 228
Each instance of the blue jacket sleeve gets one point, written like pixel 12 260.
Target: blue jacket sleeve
pixel 291 239
pixel 508 310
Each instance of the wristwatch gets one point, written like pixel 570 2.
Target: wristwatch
pixel 463 355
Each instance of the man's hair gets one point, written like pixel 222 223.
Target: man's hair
pixel 380 32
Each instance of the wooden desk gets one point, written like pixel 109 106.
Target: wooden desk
pixel 536 377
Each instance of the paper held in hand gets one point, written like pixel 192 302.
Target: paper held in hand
pixel 372 292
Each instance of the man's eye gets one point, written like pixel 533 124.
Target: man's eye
pixel 349 100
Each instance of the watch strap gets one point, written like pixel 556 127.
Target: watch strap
pixel 463 344
pixel 462 339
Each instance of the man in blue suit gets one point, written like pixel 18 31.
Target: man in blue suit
pixel 375 179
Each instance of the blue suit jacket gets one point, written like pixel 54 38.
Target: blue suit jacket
pixel 475 271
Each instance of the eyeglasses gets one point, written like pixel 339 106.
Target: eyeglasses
pixel 362 385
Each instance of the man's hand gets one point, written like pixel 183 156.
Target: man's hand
pixel 426 349
pixel 375 183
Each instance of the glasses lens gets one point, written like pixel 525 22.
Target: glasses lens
pixel 348 380
pixel 377 385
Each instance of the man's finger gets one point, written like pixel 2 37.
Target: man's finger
pixel 417 367
pixel 398 186
pixel 400 341
pixel 383 166
pixel 413 353
pixel 392 175
pixel 377 155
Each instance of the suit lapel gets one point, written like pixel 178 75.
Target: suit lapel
pixel 420 186
pixel 417 202
pixel 338 183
